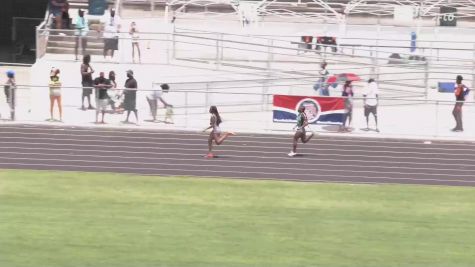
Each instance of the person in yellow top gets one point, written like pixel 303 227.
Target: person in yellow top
pixel 55 94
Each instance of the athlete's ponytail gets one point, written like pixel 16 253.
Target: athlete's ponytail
pixel 214 110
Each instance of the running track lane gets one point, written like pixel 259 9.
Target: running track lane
pixel 324 159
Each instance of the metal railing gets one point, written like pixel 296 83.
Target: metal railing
pixel 246 109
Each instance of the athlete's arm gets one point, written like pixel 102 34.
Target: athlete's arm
pixel 211 123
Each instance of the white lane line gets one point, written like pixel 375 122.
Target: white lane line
pixel 235 172
pixel 158 151
pixel 231 141
pixel 355 139
pixel 201 159
pixel 197 166
pixel 104 144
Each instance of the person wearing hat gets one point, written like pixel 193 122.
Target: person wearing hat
pixel 130 96
pixel 9 90
pixel 461 92
pixel 55 94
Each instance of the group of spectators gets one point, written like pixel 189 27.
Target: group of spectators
pixel 370 98
pixel 109 29
pixel 370 95
pixel 107 94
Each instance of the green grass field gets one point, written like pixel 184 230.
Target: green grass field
pixel 51 219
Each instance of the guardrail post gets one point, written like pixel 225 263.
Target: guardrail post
pixel 473 71
pixel 436 118
pixel 221 54
pixel 36 41
pixel 186 109
pixel 217 58
pixel 426 79
pixel 373 62
pixel 207 97
pixel 265 86
pixel 270 54
pixel 173 43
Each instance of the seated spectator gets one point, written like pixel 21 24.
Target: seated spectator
pixel 66 20
pixel 56 8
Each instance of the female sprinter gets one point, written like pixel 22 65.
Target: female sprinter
pixel 302 122
pixel 215 134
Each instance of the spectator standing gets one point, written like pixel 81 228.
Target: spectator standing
pixel 111 33
pixel 323 79
pixel 130 96
pixel 348 94
pixel 134 34
pixel 86 80
pixel 461 92
pixel 102 85
pixel 9 90
pixel 154 96
pixel 82 28
pixel 115 95
pixel 55 94
pixel 370 96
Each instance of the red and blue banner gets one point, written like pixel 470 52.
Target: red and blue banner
pixel 319 110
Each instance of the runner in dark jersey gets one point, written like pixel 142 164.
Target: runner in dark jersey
pixel 302 122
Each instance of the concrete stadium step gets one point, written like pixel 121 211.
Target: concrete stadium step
pixel 68 50
pixel 93 45
pixel 71 38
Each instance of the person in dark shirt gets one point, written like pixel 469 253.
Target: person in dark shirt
pixel 460 92
pixel 130 96
pixel 102 85
pixel 348 94
pixel 86 80
pixel 56 8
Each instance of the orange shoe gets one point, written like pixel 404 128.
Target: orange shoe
pixel 209 156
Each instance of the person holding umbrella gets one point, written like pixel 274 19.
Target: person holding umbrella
pixel 348 94
pixel 322 83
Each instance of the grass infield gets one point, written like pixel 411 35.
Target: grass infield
pixel 109 220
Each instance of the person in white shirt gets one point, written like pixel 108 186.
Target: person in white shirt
pixel 111 33
pixel 157 95
pixel 370 95
pixel 134 35
pixel 323 79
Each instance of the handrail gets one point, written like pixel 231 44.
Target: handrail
pixel 396 98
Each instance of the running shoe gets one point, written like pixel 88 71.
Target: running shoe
pixel 210 155
pixel 292 154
